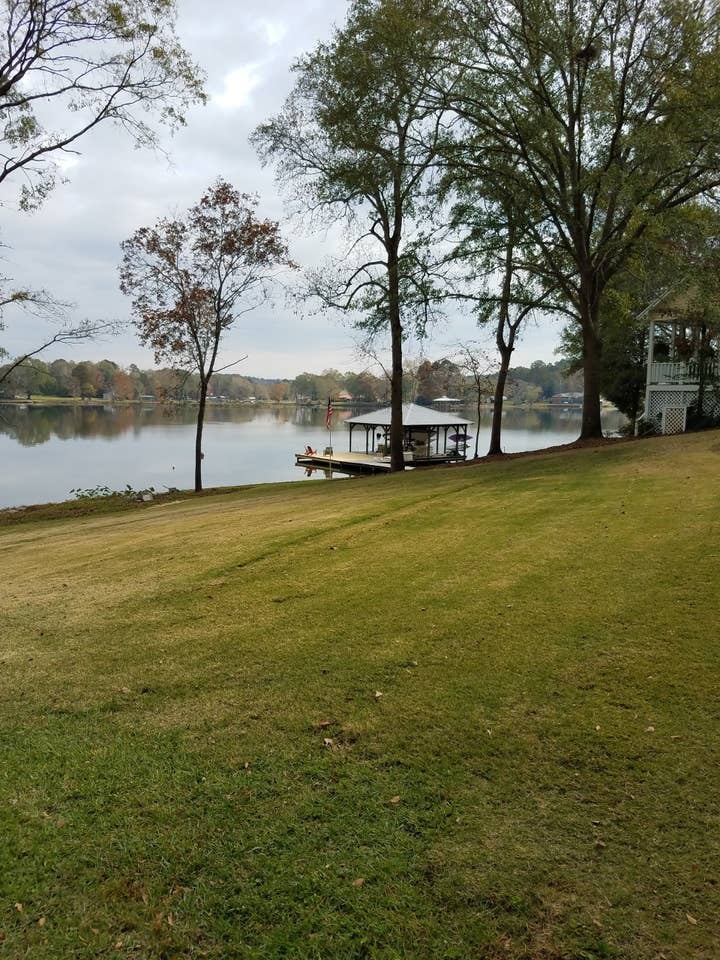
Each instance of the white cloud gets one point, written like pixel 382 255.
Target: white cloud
pixel 275 31
pixel 238 86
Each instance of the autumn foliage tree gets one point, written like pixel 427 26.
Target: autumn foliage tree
pixel 191 278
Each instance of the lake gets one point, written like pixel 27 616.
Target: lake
pixel 46 451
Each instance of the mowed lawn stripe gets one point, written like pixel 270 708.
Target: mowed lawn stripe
pixel 466 712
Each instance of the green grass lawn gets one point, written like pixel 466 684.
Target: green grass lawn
pixel 463 713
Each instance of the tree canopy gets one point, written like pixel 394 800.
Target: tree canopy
pixel 600 115
pixel 67 66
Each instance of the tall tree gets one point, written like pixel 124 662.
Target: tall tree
pixel 509 313
pixel 599 116
pixel 191 278
pixel 357 140
pixel 678 254
pixel 496 253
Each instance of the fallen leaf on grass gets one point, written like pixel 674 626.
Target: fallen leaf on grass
pixel 691 919
pixel 41 922
pixel 19 907
pixel 358 882
pixel 394 799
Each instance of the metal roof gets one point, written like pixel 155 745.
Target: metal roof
pixel 413 416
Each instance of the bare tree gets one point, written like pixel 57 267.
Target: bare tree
pixel 41 304
pixel 475 362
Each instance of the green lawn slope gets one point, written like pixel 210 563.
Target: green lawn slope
pixel 465 713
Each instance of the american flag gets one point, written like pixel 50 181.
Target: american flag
pixel 328 415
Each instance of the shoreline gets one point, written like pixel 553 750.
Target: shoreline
pixel 119 503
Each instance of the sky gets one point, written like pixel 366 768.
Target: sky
pixel 71 245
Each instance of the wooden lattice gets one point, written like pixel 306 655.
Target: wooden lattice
pixel 674 419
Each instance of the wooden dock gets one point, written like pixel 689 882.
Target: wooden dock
pixel 344 462
pixel 365 462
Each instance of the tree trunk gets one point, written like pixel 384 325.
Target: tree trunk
pixel 397 456
pixel 505 347
pixel 198 436
pixel 496 429
pixel 591 426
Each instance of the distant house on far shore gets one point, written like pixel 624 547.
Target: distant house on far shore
pixel 567 399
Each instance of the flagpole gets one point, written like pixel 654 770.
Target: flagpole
pixel 328 425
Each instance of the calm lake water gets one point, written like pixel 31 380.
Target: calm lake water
pixel 47 451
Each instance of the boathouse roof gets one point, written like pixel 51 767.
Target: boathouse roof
pixel 413 416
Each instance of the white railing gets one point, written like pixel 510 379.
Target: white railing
pixel 679 372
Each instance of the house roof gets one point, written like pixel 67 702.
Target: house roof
pixel 413 416
pixel 677 302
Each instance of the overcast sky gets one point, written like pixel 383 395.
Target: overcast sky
pixel 71 245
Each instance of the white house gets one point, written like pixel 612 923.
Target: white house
pixel 682 362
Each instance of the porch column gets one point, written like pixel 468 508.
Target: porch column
pixel 648 374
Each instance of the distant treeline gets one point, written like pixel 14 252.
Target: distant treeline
pixel 424 382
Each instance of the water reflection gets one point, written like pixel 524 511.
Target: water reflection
pixel 47 451
pixel 31 425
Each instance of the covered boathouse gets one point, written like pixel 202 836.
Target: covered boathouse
pixel 428 435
